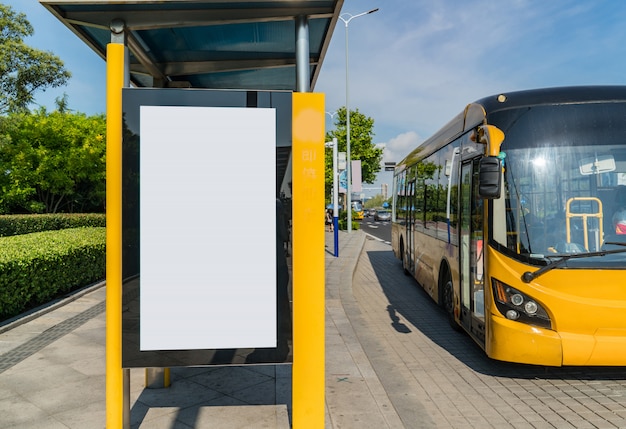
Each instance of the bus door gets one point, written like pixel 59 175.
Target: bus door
pixel 410 227
pixel 471 252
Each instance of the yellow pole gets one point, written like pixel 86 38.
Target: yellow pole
pixel 114 371
pixel 308 261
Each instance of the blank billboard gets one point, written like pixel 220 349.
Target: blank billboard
pixel 208 230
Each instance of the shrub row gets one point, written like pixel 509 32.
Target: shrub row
pixel 26 224
pixel 343 220
pixel 39 267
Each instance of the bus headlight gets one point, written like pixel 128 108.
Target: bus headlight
pixel 515 305
pixel 512 315
pixel 531 307
pixel 517 299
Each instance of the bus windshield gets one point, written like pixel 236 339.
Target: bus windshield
pixel 564 183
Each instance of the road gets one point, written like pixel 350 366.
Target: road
pixel 436 377
pixel 379 229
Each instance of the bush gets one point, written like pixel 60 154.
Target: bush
pixel 343 220
pixel 26 224
pixel 36 268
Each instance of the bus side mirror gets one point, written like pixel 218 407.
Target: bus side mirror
pixel 490 177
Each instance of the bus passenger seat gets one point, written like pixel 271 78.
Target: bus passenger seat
pixel 619 222
pixel 614 238
pixel 619 211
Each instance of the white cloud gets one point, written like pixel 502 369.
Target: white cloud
pixel 400 146
pixel 414 65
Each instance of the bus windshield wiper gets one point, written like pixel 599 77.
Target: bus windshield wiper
pixel 616 243
pixel 527 277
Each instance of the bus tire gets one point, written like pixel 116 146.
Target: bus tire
pixel 403 258
pixel 448 301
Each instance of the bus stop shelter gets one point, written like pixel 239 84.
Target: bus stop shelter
pixel 256 45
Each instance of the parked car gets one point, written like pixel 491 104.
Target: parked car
pixel 382 215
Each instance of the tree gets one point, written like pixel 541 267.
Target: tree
pixel 52 162
pixel 361 146
pixel 376 201
pixel 24 70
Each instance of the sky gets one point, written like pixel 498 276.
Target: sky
pixel 413 65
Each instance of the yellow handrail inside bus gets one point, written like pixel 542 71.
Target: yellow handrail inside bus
pixel 585 216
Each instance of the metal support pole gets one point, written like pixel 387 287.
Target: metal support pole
pixel 308 376
pixel 308 379
pixel 126 413
pixel 335 198
pixel 116 393
pixel 157 378
pixel 348 156
pixel 303 78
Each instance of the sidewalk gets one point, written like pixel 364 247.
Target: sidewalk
pixel 52 371
pixel 355 397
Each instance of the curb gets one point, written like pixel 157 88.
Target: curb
pixel 29 315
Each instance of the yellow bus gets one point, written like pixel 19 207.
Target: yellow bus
pixel 358 210
pixel 508 217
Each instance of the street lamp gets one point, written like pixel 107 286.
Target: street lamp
pixel 346 18
pixel 335 195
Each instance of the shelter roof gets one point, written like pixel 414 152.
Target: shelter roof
pixel 244 44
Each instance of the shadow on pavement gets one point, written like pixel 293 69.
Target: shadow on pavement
pixel 407 298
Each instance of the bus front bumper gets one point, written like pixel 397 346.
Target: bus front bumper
pixel 604 347
pixel 518 342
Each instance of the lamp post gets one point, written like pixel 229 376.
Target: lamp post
pixel 346 18
pixel 335 195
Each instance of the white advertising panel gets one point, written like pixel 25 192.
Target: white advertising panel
pixel 208 228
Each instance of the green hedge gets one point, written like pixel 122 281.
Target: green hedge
pixel 26 224
pixel 36 268
pixel 343 221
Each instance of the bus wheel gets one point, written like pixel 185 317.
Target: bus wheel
pixel 403 258
pixel 448 302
